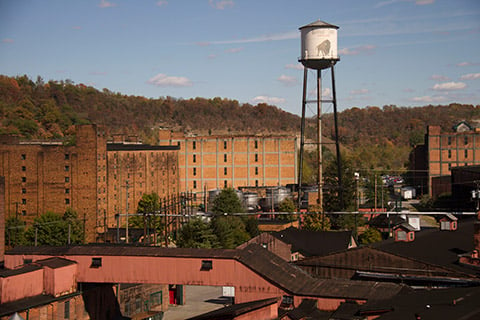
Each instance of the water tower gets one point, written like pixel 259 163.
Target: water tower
pixel 318 52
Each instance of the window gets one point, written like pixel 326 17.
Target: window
pixel 24 168
pixel 466 153
pixel 449 140
pixel 449 166
pixel 206 265
pixel 256 183
pixel 256 144
pixel 67 191
pixel 194 145
pixel 24 179
pixel 465 140
pixel 67 201
pixel 225 144
pixel 256 157
pixel 449 153
pixel 67 156
pixel 66 310
pixel 156 298
pixel 194 171
pixel 225 171
pixel 256 170
pixel 24 212
pixel 225 184
pixel 24 201
pixel 67 179
pixel 194 184
pixel 225 157
pixel 67 168
pixel 24 156
pixel 96 263
pixel 194 158
pixel 24 190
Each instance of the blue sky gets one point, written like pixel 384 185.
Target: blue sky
pixel 401 52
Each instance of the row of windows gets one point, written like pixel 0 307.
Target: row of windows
pixel 225 158
pixel 225 184
pixel 225 170
pixel 465 153
pixel 225 144
pixel 24 156
pixel 465 140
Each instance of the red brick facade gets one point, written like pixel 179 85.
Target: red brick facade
pixel 45 176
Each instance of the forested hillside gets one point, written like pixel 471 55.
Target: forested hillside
pixel 374 137
pixel 44 110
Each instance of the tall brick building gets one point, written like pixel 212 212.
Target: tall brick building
pixel 220 161
pixel 446 150
pixel 89 176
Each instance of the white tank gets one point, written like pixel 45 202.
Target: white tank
pixel 319 45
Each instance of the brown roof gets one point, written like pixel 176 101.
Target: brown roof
pixel 55 262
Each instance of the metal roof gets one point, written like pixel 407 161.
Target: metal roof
pixel 319 24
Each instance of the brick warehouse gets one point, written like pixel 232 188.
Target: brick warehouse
pixel 446 150
pixel 89 176
pixel 220 161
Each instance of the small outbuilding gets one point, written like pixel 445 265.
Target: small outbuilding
pixel 448 222
pixel 404 232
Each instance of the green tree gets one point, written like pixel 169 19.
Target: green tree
pixel 53 229
pixel 251 226
pixel 287 205
pixel 14 231
pixel 149 206
pixel 316 222
pixel 332 188
pixel 196 234
pixel 230 231
pixel 370 235
pixel 227 201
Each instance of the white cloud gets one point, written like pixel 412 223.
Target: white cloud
pixel 366 49
pixel 429 99
pixel 262 38
pixel 106 4
pixel 417 2
pixel 268 100
pixel 162 3
pixel 448 86
pixel 327 93
pixel 296 66
pixel 424 2
pixel 162 80
pixel 359 92
pixel 233 50
pixel 470 76
pixel 221 4
pixel 464 64
pixel 438 77
pixel 97 73
pixel 287 80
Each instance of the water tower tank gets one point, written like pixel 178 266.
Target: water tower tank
pixel 319 45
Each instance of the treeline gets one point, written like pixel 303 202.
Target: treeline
pixel 373 136
pixel 48 110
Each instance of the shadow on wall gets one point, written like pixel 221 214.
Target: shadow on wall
pixel 100 301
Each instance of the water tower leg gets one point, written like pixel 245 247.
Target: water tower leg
pixel 337 145
pixel 319 140
pixel 302 137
